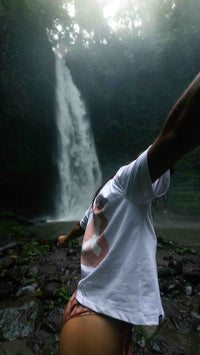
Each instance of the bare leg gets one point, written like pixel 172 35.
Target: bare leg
pixel 90 335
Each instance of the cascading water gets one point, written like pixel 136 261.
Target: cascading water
pixel 78 166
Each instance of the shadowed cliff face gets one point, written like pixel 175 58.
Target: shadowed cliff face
pixel 27 125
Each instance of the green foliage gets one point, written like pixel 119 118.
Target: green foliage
pixel 45 11
pixel 11 229
pixel 30 249
pixel 39 292
pixel 34 276
pixel 34 249
pixel 73 244
pixel 61 295
pixel 179 249
pixel 11 252
pixel 49 304
pixel 175 293
pixel 6 214
pixel 3 273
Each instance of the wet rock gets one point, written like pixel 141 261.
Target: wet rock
pixel 73 269
pixel 179 351
pixel 26 282
pixel 187 260
pixel 27 290
pixel 43 339
pixel 6 262
pixel 50 288
pixel 141 343
pixel 36 349
pixel 15 347
pixel 156 348
pixel 192 251
pixel 170 242
pixel 7 246
pixel 149 331
pixel 181 326
pixel 195 315
pixel 187 290
pixel 167 287
pixel 165 345
pixel 15 275
pixel 176 265
pixel 164 284
pixel 165 272
pixel 161 240
pixel 33 270
pixel 6 290
pixel 172 287
pixel 22 261
pixel 167 257
pixel 48 305
pixel 192 277
pixel 60 268
pixel 71 252
pixel 181 252
pixel 19 320
pixel 50 326
pixel 49 349
pixel 160 246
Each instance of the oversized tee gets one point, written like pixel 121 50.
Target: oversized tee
pixel 118 258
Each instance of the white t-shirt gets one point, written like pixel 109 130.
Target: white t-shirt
pixel 118 258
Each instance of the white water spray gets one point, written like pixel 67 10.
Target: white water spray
pixel 78 166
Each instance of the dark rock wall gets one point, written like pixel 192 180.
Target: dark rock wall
pixel 27 114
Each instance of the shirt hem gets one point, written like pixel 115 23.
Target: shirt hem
pixel 129 316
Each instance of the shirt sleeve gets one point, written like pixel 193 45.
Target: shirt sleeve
pixel 84 220
pixel 135 181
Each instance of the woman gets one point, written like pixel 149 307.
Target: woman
pixel 119 284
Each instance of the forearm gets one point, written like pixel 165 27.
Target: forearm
pixel 179 134
pixel 75 232
pixel 183 121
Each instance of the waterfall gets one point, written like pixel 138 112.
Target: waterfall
pixel 78 166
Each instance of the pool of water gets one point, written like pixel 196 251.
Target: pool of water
pixel 178 229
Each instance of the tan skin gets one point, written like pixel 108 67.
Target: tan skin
pixel 98 335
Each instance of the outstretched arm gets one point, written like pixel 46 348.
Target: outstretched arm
pixel 180 133
pixel 75 232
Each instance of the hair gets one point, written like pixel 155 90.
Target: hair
pixel 162 202
pixel 99 189
pixel 154 203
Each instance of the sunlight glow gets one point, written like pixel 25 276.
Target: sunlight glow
pixel 71 9
pixel 59 28
pixel 111 9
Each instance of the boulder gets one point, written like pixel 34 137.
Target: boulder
pixel 20 319
pixel 15 347
pixel 27 290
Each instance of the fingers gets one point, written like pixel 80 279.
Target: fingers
pixel 61 241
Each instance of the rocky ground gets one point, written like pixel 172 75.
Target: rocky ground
pixel 37 279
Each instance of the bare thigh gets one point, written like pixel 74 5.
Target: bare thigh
pixel 90 335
